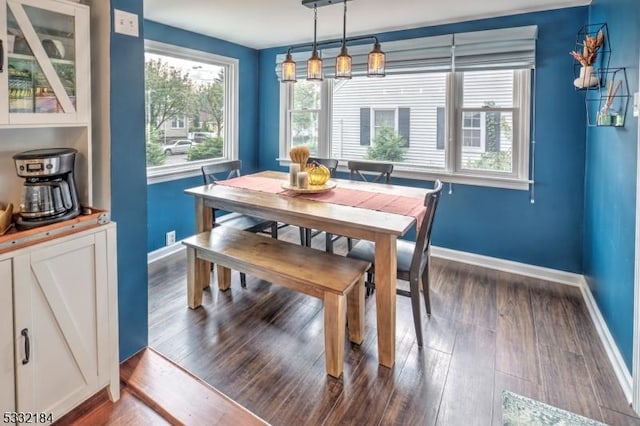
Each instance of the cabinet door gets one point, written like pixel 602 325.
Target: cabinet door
pixel 60 301
pixel 48 66
pixel 7 374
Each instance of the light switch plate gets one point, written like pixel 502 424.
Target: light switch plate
pixel 125 23
pixel 636 104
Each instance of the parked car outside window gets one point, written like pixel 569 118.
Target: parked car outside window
pixel 180 146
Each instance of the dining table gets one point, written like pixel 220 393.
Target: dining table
pixel 347 217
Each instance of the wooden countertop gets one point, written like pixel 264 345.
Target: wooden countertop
pixel 15 239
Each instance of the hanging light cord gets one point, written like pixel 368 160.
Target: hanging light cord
pixel 344 26
pixel 315 27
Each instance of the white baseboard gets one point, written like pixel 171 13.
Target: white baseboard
pixel 613 353
pixel 548 274
pixel 615 357
pixel 163 252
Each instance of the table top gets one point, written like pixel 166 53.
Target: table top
pixel 338 219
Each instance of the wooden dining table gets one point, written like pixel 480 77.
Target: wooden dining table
pixel 381 227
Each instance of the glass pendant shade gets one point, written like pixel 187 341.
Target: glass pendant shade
pixel 288 69
pixel 376 63
pixel 343 64
pixel 314 67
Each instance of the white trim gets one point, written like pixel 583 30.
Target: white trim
pixel 548 274
pixel 567 278
pixel 164 252
pixel 446 177
pixel 613 353
pixel 636 307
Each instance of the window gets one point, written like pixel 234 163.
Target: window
pixel 472 130
pixel 472 125
pixel 303 116
pixel 178 123
pixel 453 106
pixel 191 113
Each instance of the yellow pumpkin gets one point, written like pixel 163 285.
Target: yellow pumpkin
pixel 317 174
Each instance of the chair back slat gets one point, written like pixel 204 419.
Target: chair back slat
pixel 209 171
pixel 329 163
pixel 383 170
pixel 423 239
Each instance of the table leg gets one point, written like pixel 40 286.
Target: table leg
pixel 224 278
pixel 385 267
pixel 204 222
pixel 355 312
pixel 194 291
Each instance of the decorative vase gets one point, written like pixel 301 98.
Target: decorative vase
pixel 587 78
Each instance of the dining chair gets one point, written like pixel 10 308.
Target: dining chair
pixel 361 169
pixel 413 260
pixel 307 234
pixel 210 174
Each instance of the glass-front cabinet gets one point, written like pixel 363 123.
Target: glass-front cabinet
pixel 45 77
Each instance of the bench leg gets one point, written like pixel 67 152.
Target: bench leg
pixel 224 278
pixel 335 320
pixel 194 291
pixel 355 312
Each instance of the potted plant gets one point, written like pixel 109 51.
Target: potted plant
pixel 586 58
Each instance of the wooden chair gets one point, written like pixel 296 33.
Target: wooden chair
pixel 356 168
pixel 378 170
pixel 210 173
pixel 307 234
pixel 413 260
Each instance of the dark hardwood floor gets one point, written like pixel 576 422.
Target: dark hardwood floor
pixel 490 331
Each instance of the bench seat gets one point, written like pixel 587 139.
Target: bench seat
pixel 338 281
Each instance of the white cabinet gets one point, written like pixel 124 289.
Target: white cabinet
pixel 45 88
pixel 46 73
pixel 7 384
pixel 65 321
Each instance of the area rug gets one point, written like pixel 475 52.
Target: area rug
pixel 518 410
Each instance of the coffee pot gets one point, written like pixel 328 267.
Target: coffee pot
pixel 49 194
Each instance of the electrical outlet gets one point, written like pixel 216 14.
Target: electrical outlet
pixel 125 23
pixel 171 237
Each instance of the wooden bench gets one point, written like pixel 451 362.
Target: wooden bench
pixel 336 280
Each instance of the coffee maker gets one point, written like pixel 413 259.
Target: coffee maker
pixel 49 193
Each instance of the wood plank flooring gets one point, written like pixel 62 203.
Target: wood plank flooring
pixel 490 331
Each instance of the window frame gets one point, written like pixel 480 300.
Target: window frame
pixel 372 117
pixel 180 123
pixel 164 173
pixel 453 171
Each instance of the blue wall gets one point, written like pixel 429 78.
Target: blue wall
pixel 610 185
pixel 169 208
pixel 129 182
pixel 497 222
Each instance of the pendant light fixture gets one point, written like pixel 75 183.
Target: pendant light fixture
pixel 375 61
pixel 343 60
pixel 314 64
pixel 289 69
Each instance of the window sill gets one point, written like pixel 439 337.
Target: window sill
pixel 182 171
pixel 459 178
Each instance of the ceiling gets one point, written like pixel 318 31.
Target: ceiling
pixel 268 23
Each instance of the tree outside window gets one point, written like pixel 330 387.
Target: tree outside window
pixel 183 97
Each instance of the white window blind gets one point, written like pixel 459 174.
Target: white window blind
pixel 505 48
